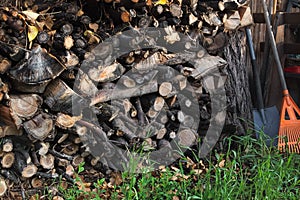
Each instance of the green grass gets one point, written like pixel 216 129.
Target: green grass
pixel 248 170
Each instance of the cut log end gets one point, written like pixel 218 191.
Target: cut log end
pixel 7 146
pixel 165 89
pixel 29 171
pixel 37 182
pixel 3 187
pixel 47 161
pixel 8 160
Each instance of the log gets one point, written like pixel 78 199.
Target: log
pixel 3 187
pixel 40 127
pixel 47 161
pixel 37 182
pixel 59 97
pixel 7 145
pixel 8 160
pixel 113 94
pixel 25 105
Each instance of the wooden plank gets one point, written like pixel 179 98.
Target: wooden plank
pixel 291 48
pixel 284 18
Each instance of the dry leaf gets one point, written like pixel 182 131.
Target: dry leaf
pixel 161 2
pixel 30 14
pixel 80 13
pixel 32 32
pixel 49 22
pixel 40 25
pixel 197 171
pixel 222 163
pixel 94 26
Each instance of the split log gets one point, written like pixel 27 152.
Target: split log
pixel 112 94
pixel 106 73
pixel 66 121
pixel 59 97
pixel 34 73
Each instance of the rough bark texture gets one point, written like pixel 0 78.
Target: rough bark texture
pixel 237 85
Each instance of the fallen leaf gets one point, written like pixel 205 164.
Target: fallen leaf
pixel 49 22
pixel 30 14
pixel 161 2
pixel 222 163
pixel 175 198
pixel 94 26
pixel 32 32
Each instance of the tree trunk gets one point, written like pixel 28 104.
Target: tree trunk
pixel 237 86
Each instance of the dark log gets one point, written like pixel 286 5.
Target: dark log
pixel 239 113
pixel 60 155
pixel 10 175
pixel 59 97
pixel 34 74
pixel 7 145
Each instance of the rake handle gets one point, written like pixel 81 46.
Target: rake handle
pixel 274 49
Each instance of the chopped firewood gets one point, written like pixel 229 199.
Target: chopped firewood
pixel 39 127
pixel 233 21
pixel 5 64
pixel 69 42
pixel 112 94
pixel 246 17
pixel 85 85
pixel 66 121
pixel 7 145
pixel 8 160
pixel 37 182
pixel 77 160
pixel 3 187
pixel 29 171
pixel 165 89
pixel 25 105
pixel 47 161
pixel 186 137
pixel 59 96
pixel 106 73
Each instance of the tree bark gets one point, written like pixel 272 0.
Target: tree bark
pixel 237 86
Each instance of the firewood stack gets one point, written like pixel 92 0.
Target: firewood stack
pixel 52 54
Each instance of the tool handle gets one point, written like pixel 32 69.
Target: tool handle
pixel 257 85
pixel 273 46
pixel 255 69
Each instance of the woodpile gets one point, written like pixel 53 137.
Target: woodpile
pixel 52 54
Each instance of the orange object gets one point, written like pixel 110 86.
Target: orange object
pixel 289 127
